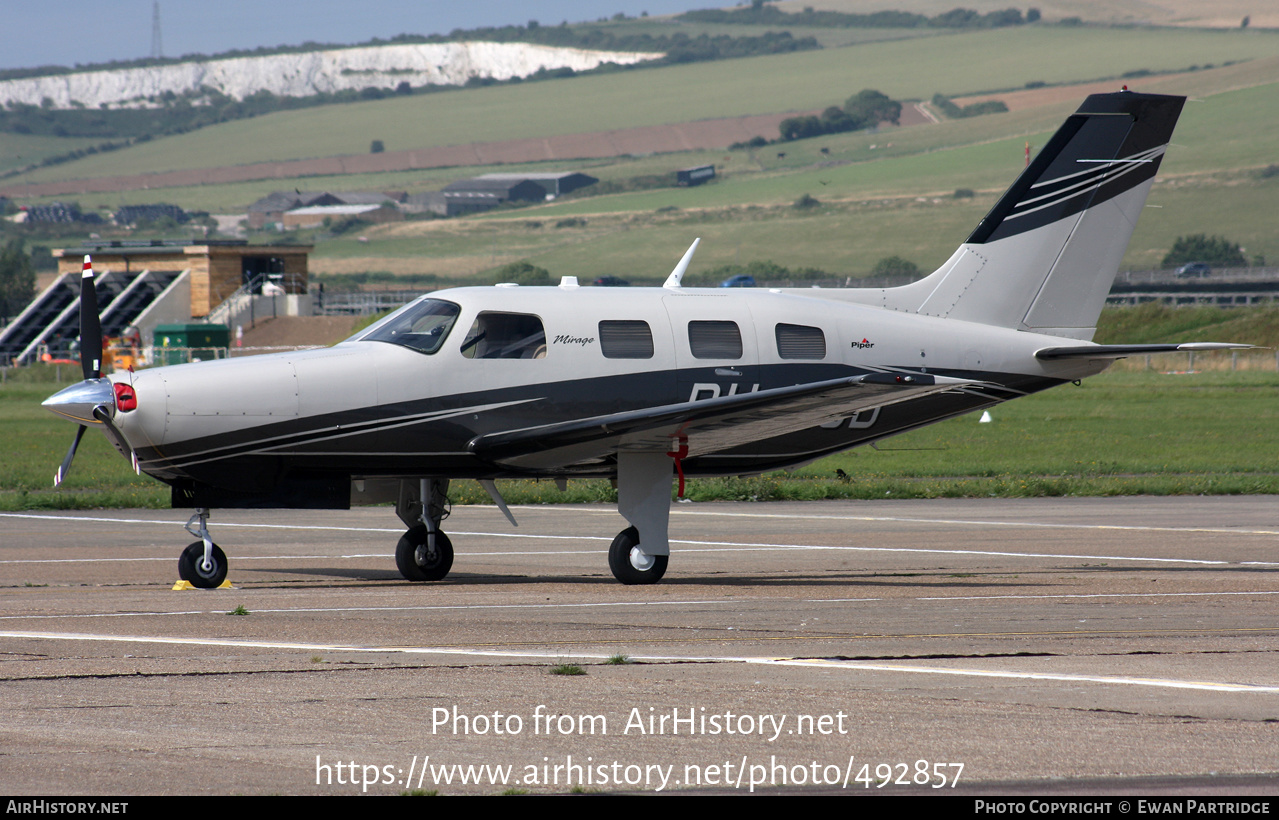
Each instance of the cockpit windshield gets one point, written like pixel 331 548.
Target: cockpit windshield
pixel 422 325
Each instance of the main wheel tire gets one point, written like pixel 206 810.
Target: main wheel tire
pixel 621 560
pixel 417 565
pixel 191 566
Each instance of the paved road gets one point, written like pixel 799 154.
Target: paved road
pixel 1086 645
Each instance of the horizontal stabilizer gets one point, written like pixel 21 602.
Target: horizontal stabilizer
pixel 1123 351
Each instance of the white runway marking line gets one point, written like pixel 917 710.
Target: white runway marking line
pixel 561 655
pixel 1048 597
pixel 614 604
pixel 978 523
pixel 70 616
pixel 173 523
pixel 1166 683
pixel 423 608
pixel 677 511
pixel 718 546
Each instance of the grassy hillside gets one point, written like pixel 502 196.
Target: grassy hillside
pixel 1217 132
pixel 958 63
pixel 1154 323
pixel 900 203
pixel 882 194
pixel 844 239
pixel 21 150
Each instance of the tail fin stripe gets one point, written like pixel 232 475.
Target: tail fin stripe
pixel 1080 189
pixel 1140 158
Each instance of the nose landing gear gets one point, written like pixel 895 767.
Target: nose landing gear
pixel 202 564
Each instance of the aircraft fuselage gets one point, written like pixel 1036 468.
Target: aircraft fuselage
pixel 367 408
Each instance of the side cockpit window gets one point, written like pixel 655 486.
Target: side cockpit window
pixel 505 336
pixel 422 326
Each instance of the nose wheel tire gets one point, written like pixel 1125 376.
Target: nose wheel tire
pixel 630 564
pixel 192 570
pixel 415 560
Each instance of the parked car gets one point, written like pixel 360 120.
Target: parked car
pixel 1194 269
pixel 740 281
pixel 611 282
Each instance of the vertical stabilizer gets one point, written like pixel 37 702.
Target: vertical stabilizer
pixel 1046 255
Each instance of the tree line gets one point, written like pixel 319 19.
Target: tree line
pixel 865 109
pixel 761 14
pixel 17 280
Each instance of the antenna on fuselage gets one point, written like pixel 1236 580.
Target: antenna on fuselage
pixel 673 281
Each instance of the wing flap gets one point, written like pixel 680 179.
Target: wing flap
pixel 710 426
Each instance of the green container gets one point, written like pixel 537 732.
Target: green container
pixel 179 343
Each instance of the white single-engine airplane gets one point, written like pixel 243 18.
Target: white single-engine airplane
pixel 641 385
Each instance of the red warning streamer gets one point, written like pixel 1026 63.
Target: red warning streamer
pixel 679 455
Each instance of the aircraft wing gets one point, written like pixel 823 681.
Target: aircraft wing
pixel 1123 351
pixel 710 426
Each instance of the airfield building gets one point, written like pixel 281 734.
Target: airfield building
pixel 552 184
pixel 270 209
pixel 514 189
pixel 314 216
pixel 695 175
pixel 142 284
pixel 217 268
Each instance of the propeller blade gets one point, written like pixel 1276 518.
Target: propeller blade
pixel 117 438
pixel 66 462
pixel 90 325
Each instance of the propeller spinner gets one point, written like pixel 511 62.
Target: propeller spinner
pixel 92 401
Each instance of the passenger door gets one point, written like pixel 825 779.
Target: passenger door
pixel 715 345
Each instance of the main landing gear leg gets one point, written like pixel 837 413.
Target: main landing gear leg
pixel 424 553
pixel 640 552
pixel 202 564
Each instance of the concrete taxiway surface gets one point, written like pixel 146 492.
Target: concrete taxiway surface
pixel 1052 644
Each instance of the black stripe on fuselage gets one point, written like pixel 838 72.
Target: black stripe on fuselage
pixel 435 441
pixel 433 424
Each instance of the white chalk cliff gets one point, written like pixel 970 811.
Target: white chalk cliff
pixel 304 74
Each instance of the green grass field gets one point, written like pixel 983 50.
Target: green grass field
pixel 1122 424
pixel 1153 322
pixel 33 444
pixel 21 150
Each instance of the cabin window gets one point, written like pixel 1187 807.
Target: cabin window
pixel 715 340
pixel 626 339
pixel 422 326
pixel 800 342
pixel 505 336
